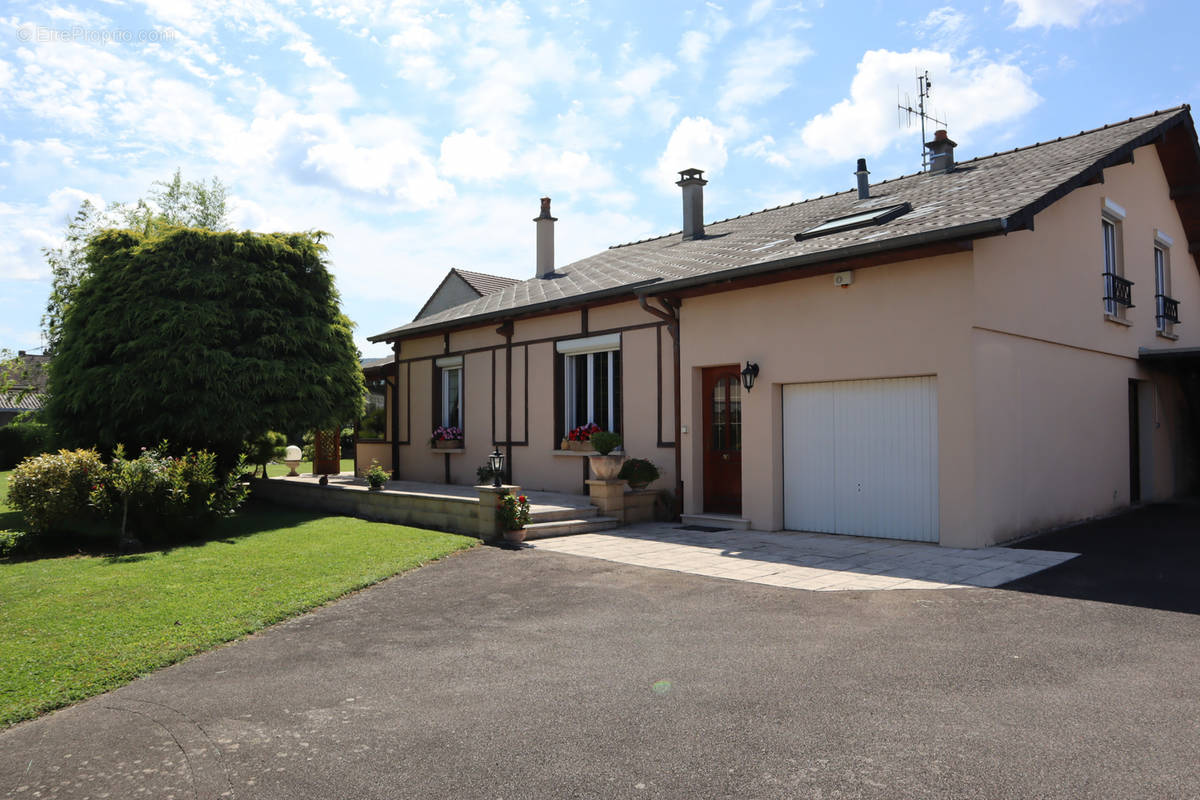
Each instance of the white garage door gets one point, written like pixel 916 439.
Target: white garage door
pixel 860 457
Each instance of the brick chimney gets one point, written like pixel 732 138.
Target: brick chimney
pixel 545 240
pixel 941 152
pixel 692 182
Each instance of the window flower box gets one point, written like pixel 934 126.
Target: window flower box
pixel 447 437
pixel 583 447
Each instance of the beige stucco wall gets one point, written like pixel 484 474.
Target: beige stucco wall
pixel 1052 373
pixel 536 463
pixel 905 319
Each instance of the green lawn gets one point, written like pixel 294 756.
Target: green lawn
pixel 305 468
pixel 72 627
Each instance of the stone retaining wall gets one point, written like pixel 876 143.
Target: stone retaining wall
pixel 453 514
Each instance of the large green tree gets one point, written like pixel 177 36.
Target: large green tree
pixel 204 338
pixel 194 204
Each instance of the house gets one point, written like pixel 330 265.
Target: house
pixel 461 286
pixel 963 355
pixel 29 387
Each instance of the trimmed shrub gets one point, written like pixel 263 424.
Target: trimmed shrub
pixel 20 440
pixel 639 473
pixel 54 488
pixel 265 448
pixel 605 442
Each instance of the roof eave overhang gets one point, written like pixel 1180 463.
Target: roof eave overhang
pixel 501 315
pixel 974 230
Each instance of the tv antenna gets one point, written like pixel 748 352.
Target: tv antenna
pixel 906 112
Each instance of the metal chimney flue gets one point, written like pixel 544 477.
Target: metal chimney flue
pixel 545 240
pixel 692 182
pixel 864 188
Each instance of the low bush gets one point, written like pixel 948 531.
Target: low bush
pixel 13 542
pixel 639 473
pixel 52 489
pixel 20 440
pixel 167 495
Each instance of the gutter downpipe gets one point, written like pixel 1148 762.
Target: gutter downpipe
pixel 395 414
pixel 671 316
pixel 506 330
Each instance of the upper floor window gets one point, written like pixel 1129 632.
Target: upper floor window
pixel 448 382
pixel 1166 308
pixel 591 382
pixel 1118 292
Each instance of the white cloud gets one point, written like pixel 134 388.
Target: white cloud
pixel 695 143
pixel 978 91
pixel 758 10
pixel 1067 13
pixel 641 79
pixel 944 28
pixel 765 149
pixel 693 45
pixel 472 156
pixel 760 70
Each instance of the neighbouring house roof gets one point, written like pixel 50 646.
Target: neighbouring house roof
pixel 30 385
pixel 377 367
pixel 470 283
pixel 985 196
pixel 485 284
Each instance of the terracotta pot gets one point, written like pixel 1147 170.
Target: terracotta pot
pixel 515 537
pixel 448 444
pixel 606 468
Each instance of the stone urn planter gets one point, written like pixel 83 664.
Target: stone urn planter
pixel 515 537
pixel 606 468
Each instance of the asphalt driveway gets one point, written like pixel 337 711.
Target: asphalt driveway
pixel 498 674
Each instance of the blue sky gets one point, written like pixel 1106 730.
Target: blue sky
pixel 422 135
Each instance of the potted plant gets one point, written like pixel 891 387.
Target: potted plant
pixel 447 437
pixel 605 466
pixel 513 513
pixel 376 477
pixel 580 438
pixel 639 473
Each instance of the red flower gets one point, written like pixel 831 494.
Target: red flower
pixel 522 498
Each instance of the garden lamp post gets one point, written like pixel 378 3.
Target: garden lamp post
pixel 496 462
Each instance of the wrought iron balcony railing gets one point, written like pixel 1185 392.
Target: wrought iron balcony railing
pixel 1168 308
pixel 1118 290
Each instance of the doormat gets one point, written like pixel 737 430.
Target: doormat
pixel 702 528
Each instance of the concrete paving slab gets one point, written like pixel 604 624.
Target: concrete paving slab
pixel 847 563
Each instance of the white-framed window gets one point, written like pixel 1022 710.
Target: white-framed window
pixel 1166 308
pixel 450 381
pixel 1118 292
pixel 591 375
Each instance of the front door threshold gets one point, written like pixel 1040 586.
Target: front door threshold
pixel 724 521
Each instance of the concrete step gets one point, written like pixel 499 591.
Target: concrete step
pixel 563 527
pixel 727 522
pixel 558 513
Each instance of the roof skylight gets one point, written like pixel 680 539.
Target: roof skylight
pixel 876 216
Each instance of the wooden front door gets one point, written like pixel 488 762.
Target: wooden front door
pixel 722 388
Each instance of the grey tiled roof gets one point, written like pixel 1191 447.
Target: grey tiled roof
pixel 485 284
pixel 30 402
pixel 987 195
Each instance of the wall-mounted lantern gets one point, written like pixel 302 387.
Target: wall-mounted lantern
pixel 748 376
